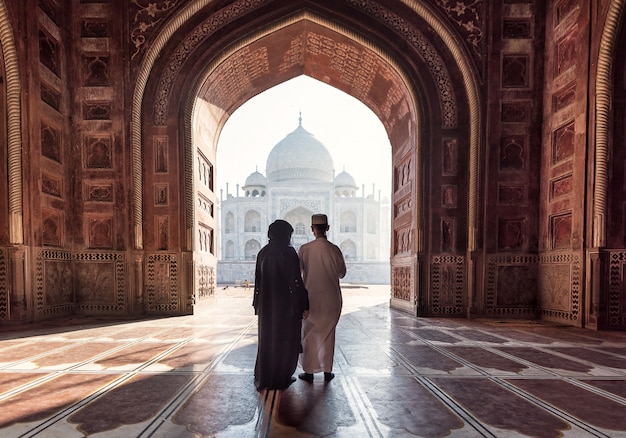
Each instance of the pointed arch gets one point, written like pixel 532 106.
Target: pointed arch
pixel 14 136
pixel 603 108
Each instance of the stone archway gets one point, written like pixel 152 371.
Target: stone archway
pixel 399 99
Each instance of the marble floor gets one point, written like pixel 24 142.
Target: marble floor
pixel 396 376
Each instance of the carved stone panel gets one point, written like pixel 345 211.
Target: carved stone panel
pixel 100 232
pixel 561 231
pixel 162 283
pixel 516 71
pixel 95 283
pixel 513 152
pixel 561 186
pixel 51 141
pixel 58 283
pixel 563 142
pixel 52 184
pixel 450 159
pixel 402 282
pixel 52 227
pixel 566 55
pixel 98 191
pixel 95 69
pixel 564 97
pixel 447 285
pixel 511 234
pixel 205 281
pixel 559 285
pixel 512 194
pixel 97 110
pixel 515 111
pixel 49 54
pixel 98 151
pixel 160 153
pixel 512 285
pixel 516 28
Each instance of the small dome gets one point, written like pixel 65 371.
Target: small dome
pixel 344 179
pixel 300 156
pixel 256 179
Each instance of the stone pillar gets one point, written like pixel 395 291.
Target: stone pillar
pixel 18 305
pixel 138 286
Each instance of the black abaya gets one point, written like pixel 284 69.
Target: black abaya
pixel 277 267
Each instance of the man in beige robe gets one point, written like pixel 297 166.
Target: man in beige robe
pixel 322 265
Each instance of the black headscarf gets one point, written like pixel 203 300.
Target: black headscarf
pixel 280 232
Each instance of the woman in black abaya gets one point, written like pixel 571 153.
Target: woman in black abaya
pixel 280 301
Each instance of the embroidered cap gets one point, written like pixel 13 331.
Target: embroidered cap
pixel 319 219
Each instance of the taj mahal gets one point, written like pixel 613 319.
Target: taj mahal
pixel 300 181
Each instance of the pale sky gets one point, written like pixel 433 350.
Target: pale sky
pixel 351 132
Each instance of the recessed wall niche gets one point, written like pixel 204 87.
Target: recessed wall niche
pixel 98 151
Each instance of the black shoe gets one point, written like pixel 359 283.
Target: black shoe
pixel 328 377
pixel 306 377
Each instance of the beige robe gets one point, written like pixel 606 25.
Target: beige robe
pixel 322 265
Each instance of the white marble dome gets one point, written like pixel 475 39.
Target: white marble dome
pixel 300 157
pixel 256 179
pixel 344 179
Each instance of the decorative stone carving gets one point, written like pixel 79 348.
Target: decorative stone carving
pixel 512 194
pixel 515 112
pixel 94 28
pixel 564 97
pixel 561 186
pixel 205 281
pixel 161 153
pixel 100 285
pixel 566 53
pixel 516 28
pixel 162 231
pixel 52 227
pixel 162 283
pixel 100 232
pixel 513 152
pixel 95 70
pixel 561 231
pixel 448 196
pixel 4 286
pixel 97 110
pixel 161 195
pixel 511 285
pixel 51 142
pixel 147 15
pixel 448 235
pixel 98 151
pixel 511 234
pixel 468 17
pixel 450 159
pixel 560 281
pixel 563 142
pixel 52 185
pixel 50 96
pixel 49 52
pixel 447 284
pixel 98 191
pixel 402 282
pixel 515 71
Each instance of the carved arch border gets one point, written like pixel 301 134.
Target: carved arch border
pixel 14 135
pixel 457 51
pixel 604 102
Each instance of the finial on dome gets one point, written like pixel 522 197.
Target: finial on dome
pixel 300 118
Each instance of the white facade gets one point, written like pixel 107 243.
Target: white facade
pixel 300 182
